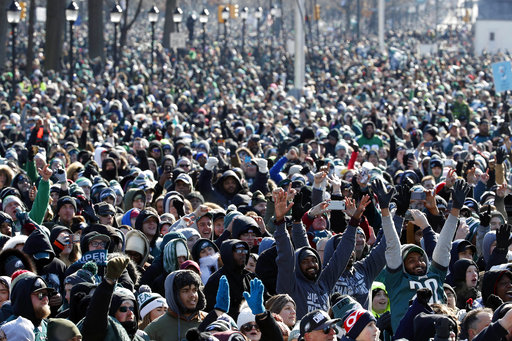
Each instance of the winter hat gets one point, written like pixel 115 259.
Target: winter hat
pixel 149 301
pixel 85 274
pixel 137 242
pixel 356 321
pixel 190 263
pixel 60 329
pixel 266 243
pixel 21 329
pixel 181 250
pixel 66 200
pixel 244 317
pixel 229 217
pixel 343 305
pixel 277 302
pixel 306 252
pixel 83 182
pixel 12 198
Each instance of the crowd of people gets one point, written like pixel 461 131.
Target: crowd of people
pixel 205 203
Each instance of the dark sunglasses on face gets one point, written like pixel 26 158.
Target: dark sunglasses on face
pixel 328 329
pixel 125 309
pixel 40 295
pixel 244 251
pixel 249 326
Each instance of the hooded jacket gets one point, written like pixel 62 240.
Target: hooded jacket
pixel 238 278
pixel 19 295
pixel 143 215
pixel 140 239
pixel 174 325
pixel 489 281
pixel 129 195
pixel 110 174
pixel 216 193
pixel 309 294
pixel 14 259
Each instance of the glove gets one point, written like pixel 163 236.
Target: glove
pixel 255 298
pixel 423 296
pixel 211 163
pixel 115 267
pixel 459 193
pixel 384 322
pixel 262 165
pixel 444 325
pixel 60 175
pixel 23 156
pixel 503 236
pixel 299 208
pixel 500 156
pixel 222 299
pixel 382 193
pixel 485 218
pixel 404 196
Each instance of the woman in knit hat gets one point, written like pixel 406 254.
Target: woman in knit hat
pixel 152 306
pixel 360 325
pixel 284 306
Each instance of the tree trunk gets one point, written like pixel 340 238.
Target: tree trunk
pixel 169 26
pixel 30 44
pixel 127 25
pixel 95 27
pixel 3 34
pixel 55 26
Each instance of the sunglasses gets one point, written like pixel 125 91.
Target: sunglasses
pixel 40 295
pixel 328 329
pixel 249 326
pixel 244 251
pixel 156 150
pixel 125 309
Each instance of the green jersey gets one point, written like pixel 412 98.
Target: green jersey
pixel 402 288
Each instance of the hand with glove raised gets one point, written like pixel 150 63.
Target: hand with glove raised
pixel 211 163
pixel 222 299
pixel 383 194
pixel 255 298
pixel 459 193
pixel 262 165
pixel 485 217
pixel 115 268
pixel 500 156
pixel 384 322
pixel 60 175
pixel 503 237
pixel 299 207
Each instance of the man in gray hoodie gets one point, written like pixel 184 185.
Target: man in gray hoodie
pixel 184 295
pixel 309 286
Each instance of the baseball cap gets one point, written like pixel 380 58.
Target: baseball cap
pixel 40 285
pixel 315 320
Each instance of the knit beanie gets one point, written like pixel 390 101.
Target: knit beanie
pixel 66 200
pixel 12 198
pixel 229 217
pixel 60 329
pixel 149 301
pixel 135 242
pixel 244 317
pixel 277 302
pixel 356 321
pixel 85 274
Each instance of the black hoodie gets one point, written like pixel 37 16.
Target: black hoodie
pixel 51 269
pixel 20 293
pixel 238 278
pixel 143 215
pixel 109 174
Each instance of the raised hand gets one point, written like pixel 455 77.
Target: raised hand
pixel 222 299
pixel 365 201
pixel 281 206
pixel 383 194
pixel 255 298
pixel 459 193
pixel 503 236
pixel 46 173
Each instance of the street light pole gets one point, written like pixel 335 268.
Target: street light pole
pixel 153 17
pixel 244 14
pixel 225 17
pixel 115 18
pixel 71 16
pixel 258 15
pixel 13 18
pixel 203 19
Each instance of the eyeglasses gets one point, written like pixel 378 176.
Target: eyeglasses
pixel 244 251
pixel 156 150
pixel 328 329
pixel 184 164
pixel 96 244
pixel 23 181
pixel 59 154
pixel 250 326
pixel 124 309
pixel 40 295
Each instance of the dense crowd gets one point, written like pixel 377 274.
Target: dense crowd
pixel 205 203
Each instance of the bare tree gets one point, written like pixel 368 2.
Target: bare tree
pixel 170 5
pixel 95 27
pixel 55 26
pixel 128 24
